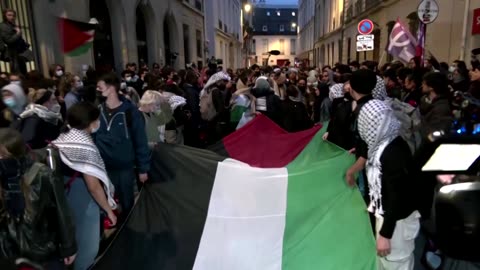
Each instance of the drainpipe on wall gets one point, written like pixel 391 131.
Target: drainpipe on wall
pixel 340 50
pixel 464 31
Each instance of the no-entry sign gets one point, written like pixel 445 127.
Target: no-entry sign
pixel 476 22
pixel 365 27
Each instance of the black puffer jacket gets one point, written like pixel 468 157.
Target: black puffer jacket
pixel 45 230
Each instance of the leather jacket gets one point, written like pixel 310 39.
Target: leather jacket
pixel 44 231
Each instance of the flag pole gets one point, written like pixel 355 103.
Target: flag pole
pixel 381 58
pixel 424 43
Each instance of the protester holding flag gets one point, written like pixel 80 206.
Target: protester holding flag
pixel 390 181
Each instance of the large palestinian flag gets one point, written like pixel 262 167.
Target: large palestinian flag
pixel 270 200
pixel 76 37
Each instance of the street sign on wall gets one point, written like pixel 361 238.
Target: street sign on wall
pixel 365 43
pixel 365 27
pixel 427 11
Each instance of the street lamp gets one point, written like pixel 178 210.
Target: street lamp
pixel 248 7
pixel 294 25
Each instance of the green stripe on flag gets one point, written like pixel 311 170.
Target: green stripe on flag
pixel 327 225
pixel 81 50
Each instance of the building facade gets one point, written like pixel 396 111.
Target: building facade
pixel 224 31
pixel 274 28
pixel 336 29
pixel 165 32
pixel 306 25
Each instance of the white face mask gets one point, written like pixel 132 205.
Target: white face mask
pixel 128 79
pixel 451 69
pixel 16 82
pixel 56 108
pixel 123 85
pixel 79 84
pixel 59 73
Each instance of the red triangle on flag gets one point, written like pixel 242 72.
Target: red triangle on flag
pixel 73 34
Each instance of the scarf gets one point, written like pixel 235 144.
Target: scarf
pixel 79 152
pixel 295 99
pixel 42 112
pixel 11 173
pixel 380 91
pixel 336 91
pixel 174 101
pixel 215 78
pixel 378 127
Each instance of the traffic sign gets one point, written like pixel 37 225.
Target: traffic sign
pixel 365 43
pixel 365 27
pixel 365 37
pixel 427 11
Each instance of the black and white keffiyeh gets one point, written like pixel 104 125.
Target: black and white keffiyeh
pixel 219 76
pixel 173 100
pixel 336 91
pixel 380 91
pixel 378 127
pixel 79 152
pixel 42 112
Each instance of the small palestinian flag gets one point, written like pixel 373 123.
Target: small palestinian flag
pixel 270 200
pixel 76 37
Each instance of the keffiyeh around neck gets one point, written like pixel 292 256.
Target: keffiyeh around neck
pixel 378 127
pixel 336 91
pixel 42 112
pixel 215 78
pixel 380 91
pixel 79 152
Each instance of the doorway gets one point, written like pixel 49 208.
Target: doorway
pixel 102 43
pixel 141 27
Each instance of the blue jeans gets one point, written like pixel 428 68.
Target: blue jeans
pixel 124 182
pixel 86 216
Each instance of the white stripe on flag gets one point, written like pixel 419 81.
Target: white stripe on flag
pixel 246 219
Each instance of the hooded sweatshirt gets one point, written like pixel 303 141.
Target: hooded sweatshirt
pixel 20 98
pixel 266 101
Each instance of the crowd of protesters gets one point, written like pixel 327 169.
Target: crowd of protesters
pixel 104 126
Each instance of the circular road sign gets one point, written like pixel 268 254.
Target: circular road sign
pixel 365 27
pixel 427 11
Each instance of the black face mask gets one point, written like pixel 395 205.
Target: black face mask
pixel 221 86
pixel 302 89
pixel 348 97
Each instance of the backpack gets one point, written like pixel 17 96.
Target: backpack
pixel 410 119
pixel 207 108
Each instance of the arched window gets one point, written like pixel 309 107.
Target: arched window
pixel 102 43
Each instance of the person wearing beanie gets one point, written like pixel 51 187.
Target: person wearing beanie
pixel 362 83
pixel 14 98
